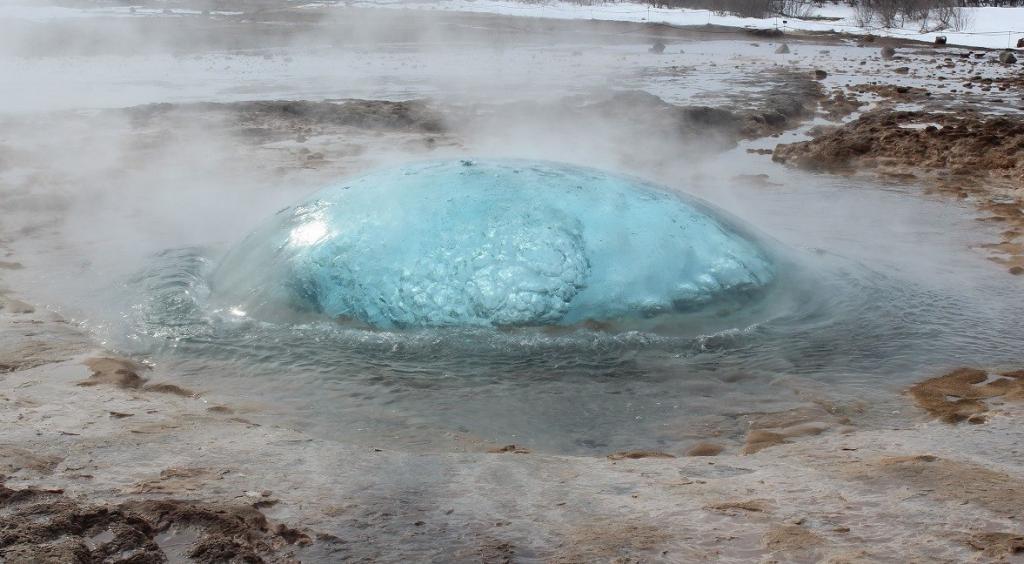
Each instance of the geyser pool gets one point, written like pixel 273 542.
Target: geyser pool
pixel 492 243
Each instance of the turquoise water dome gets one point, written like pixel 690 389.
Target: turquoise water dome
pixel 491 243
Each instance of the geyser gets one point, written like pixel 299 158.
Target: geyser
pixel 491 243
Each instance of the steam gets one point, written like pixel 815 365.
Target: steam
pixel 96 178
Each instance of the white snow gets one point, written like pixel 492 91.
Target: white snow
pixel 39 11
pixel 995 28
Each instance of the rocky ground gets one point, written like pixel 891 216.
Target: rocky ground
pixel 944 138
pixel 102 464
pixel 100 461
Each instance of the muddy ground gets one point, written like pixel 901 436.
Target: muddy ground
pixel 102 462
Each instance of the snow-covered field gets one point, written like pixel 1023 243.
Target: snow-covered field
pixel 994 28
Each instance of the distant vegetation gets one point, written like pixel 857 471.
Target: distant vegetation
pixel 929 15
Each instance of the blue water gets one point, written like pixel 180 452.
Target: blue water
pixel 492 243
pixel 873 290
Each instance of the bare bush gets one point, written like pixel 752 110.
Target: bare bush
pixel 931 15
pixel 863 15
pixel 961 20
pixel 795 8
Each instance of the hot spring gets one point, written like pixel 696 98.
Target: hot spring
pixel 442 306
pixel 493 243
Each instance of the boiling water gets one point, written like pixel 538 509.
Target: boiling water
pixel 492 243
pixel 867 306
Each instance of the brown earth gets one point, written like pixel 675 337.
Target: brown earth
pixel 791 538
pixel 947 480
pixel 961 394
pixel 996 545
pixel 638 454
pixel 965 154
pixel 736 507
pixel 124 373
pixel 38 525
pixel 705 449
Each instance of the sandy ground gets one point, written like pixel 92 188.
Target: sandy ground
pixel 102 462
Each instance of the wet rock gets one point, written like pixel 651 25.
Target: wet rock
pixel 220 409
pixel 782 49
pixel 839 105
pixel 603 539
pixel 739 507
pixel 174 389
pixel 509 449
pixel 960 395
pixel 888 53
pixel 819 130
pixel 16 306
pixel 969 143
pixel 119 372
pixel 124 373
pixel 705 449
pixel 790 538
pixel 956 482
pixel 269 117
pixel 38 525
pixel 14 459
pixel 1007 58
pixel 758 440
pixel 638 454
pixel 997 545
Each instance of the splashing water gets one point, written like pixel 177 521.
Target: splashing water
pixel 492 243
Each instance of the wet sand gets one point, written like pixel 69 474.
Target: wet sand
pixel 104 458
